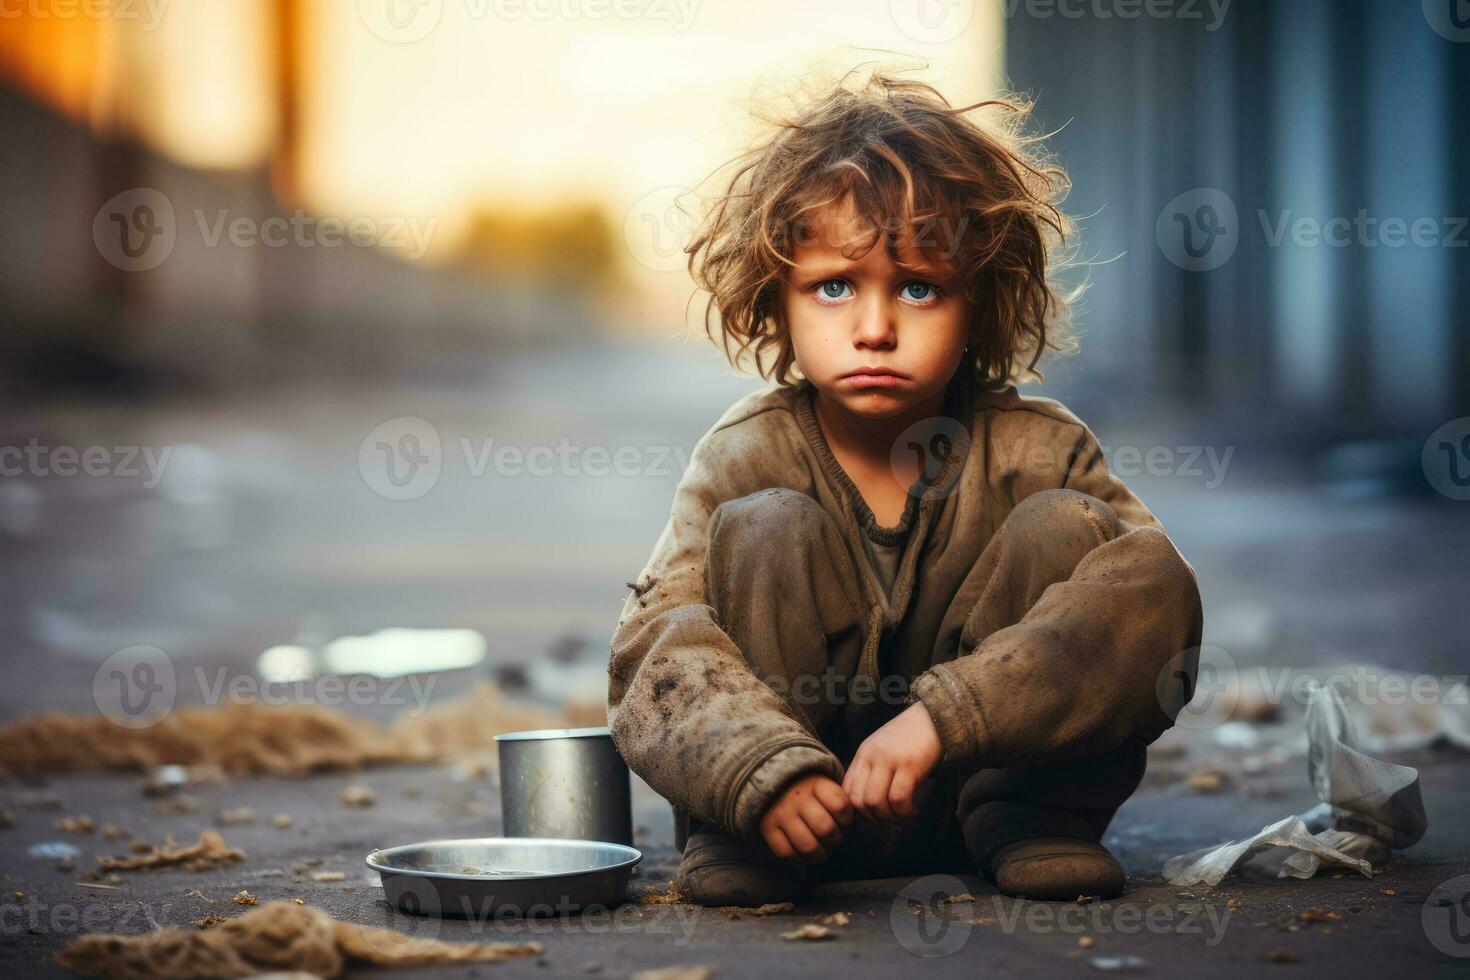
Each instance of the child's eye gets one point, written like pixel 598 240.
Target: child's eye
pixel 919 292
pixel 833 291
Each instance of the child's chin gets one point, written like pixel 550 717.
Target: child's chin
pixel 877 404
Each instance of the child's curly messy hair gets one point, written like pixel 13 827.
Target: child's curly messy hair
pixel 983 199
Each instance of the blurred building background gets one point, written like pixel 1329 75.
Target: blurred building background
pixel 1304 111
pixel 255 236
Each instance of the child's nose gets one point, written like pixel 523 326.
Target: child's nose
pixel 874 325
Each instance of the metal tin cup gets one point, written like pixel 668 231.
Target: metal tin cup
pixel 564 782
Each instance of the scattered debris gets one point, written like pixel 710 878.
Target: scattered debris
pixel 1283 956
pixel 1236 735
pixel 165 780
pixel 1368 806
pixel 113 832
pixel 809 931
pixel 243 897
pixel 210 920
pixel 239 815
pixel 196 893
pixel 6 820
pixel 44 801
pixel 328 876
pixel 53 850
pixel 361 796
pixel 1086 942
pixel 472 769
pixel 210 852
pixel 837 919
pixel 176 806
pixel 955 899
pixel 760 911
pixel 281 821
pixel 651 896
pixel 193 744
pixel 1208 780
pixel 1315 914
pixel 75 825
pixel 592 966
pixel 277 936
pixel 1117 964
pixel 97 885
pixel 66 864
pixel 698 972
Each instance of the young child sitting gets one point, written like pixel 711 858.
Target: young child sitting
pixel 902 619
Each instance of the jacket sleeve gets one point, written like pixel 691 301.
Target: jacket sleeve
pixel 1096 660
pixel 687 712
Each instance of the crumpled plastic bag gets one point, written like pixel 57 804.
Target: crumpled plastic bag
pixel 1397 720
pixel 1368 806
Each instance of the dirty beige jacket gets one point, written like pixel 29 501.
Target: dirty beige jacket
pixel 726 747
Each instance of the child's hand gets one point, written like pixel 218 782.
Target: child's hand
pixel 890 765
pixel 806 820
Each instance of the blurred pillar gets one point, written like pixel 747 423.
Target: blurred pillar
pixel 288 58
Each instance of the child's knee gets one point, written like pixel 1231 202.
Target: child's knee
pixel 768 523
pixel 1054 518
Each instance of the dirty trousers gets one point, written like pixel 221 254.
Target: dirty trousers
pixel 785 588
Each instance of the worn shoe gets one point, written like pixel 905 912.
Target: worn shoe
pixel 721 869
pixel 1056 869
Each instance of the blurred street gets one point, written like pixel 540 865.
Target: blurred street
pixel 267 526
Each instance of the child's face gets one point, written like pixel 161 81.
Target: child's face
pixel 849 314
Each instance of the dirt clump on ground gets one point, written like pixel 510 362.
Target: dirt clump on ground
pixel 251 738
pixel 209 853
pixel 277 936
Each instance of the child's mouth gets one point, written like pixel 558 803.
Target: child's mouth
pixel 862 380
